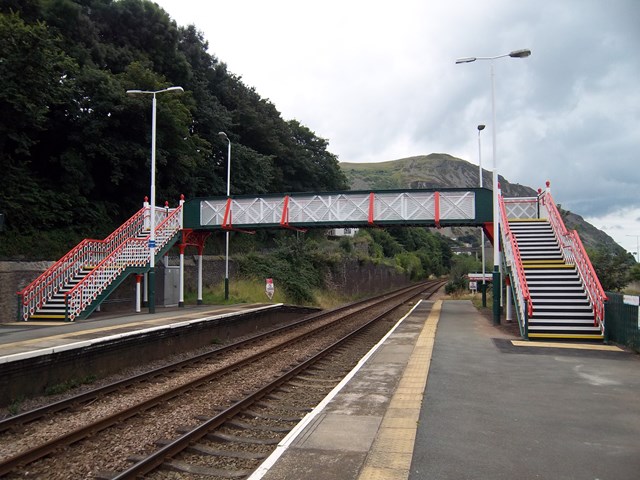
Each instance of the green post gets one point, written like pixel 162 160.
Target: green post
pixel 483 289
pixel 226 288
pixel 496 295
pixel 152 290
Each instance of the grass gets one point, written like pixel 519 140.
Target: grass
pixel 328 300
pixel 240 291
pixel 69 385
pixel 16 406
pixel 632 288
pixel 252 291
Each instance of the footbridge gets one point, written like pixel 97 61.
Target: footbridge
pixel 548 275
pixel 425 207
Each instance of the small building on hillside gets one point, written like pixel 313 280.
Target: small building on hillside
pixel 342 232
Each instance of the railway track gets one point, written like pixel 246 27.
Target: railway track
pixel 118 413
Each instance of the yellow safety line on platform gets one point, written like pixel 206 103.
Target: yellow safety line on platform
pixel 35 324
pixel 391 453
pixel 574 336
pixel 577 346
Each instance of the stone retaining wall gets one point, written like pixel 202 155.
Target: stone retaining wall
pixel 351 278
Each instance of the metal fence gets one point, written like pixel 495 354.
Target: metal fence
pixel 622 320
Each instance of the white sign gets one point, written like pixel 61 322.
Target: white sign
pixel 269 288
pixel 473 286
pixel 633 300
pixel 478 277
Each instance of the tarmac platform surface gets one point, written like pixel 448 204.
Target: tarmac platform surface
pixel 449 396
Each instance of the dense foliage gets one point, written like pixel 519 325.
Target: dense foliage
pixel 300 265
pixel 75 148
pixel 614 268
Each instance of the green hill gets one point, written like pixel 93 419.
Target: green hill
pixel 436 170
pixel 440 170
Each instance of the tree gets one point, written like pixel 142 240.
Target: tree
pixel 37 78
pixel 75 149
pixel 612 268
pixel 634 273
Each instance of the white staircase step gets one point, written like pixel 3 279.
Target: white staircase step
pixel 576 329
pixel 555 296
pixel 569 308
pixel 560 303
pixel 565 300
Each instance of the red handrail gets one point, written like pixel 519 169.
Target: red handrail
pixel 88 251
pixel 132 252
pixel 574 249
pixel 79 247
pixel 522 280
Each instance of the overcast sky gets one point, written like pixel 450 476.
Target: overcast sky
pixel 378 80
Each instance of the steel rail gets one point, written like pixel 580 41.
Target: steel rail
pixel 51 446
pixel 156 459
pixel 35 414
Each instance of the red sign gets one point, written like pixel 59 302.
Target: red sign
pixel 269 288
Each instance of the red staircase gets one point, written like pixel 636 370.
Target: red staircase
pixel 77 283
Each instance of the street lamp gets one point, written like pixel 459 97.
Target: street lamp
pixel 152 205
pixel 523 53
pixel 226 260
pixel 637 246
pixel 484 285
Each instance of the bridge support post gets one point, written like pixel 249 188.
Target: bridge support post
pixel 509 306
pixel 145 290
pixel 483 289
pixel 200 277
pixel 152 289
pixel 138 292
pixel 496 295
pixel 181 286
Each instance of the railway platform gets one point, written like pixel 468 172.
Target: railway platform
pixel 20 340
pixel 37 358
pixel 449 396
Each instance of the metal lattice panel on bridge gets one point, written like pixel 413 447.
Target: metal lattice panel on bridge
pixel 521 208
pixel 409 207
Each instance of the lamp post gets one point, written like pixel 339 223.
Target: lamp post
pixel 496 213
pixel 484 285
pixel 152 204
pixel 226 260
pixel 637 246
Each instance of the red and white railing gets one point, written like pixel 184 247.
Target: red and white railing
pixel 514 261
pixel 133 252
pixel 573 252
pixel 88 252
